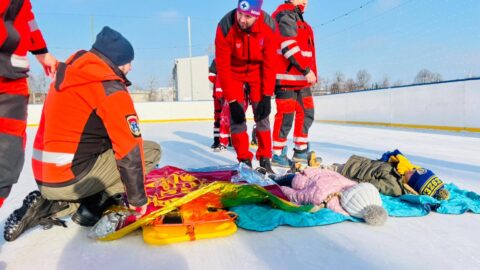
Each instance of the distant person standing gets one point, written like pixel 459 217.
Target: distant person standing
pixel 19 34
pixel 296 73
pixel 245 54
pixel 221 126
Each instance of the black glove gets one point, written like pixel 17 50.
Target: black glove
pixel 264 108
pixel 237 112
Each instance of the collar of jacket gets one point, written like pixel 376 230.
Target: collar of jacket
pixel 297 9
pixel 115 69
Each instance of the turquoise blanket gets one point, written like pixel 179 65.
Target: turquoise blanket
pixel 263 218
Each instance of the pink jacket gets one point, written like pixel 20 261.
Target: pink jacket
pixel 314 185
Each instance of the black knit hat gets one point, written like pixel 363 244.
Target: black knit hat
pixel 114 46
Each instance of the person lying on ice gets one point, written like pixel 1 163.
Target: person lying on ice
pixel 393 175
pixel 88 148
pixel 328 189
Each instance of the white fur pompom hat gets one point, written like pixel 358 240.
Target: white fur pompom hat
pixel 363 201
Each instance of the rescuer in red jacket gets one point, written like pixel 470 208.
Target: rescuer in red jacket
pixel 221 124
pixel 245 52
pixel 88 149
pixel 296 72
pixel 19 34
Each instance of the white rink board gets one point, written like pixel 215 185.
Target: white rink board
pixel 453 104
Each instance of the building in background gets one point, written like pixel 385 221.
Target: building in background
pixel 190 77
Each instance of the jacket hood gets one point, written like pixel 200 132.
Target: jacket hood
pixel 85 67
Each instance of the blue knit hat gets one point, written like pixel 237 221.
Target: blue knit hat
pixel 425 182
pixel 114 46
pixel 251 7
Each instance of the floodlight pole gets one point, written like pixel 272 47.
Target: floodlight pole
pixel 190 56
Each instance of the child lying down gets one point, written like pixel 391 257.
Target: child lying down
pixel 392 175
pixel 329 189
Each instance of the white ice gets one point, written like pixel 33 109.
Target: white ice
pixel 432 242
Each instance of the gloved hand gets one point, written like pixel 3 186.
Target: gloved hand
pixel 237 112
pixel 264 108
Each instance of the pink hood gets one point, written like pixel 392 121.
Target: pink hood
pixel 313 186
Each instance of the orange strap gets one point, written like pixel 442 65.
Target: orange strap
pixel 191 232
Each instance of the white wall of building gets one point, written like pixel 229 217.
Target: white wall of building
pixel 451 104
pixel 198 73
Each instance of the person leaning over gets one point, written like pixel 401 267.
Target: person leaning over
pixel 245 55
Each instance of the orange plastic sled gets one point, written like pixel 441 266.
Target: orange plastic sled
pixel 200 219
pixel 169 234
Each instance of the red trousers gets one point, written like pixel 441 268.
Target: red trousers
pixel 292 104
pixel 221 124
pixel 240 140
pixel 217 107
pixel 13 123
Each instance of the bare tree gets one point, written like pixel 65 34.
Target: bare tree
pixel 325 84
pixel 363 79
pixel 38 85
pixel 436 77
pixel 350 85
pixel 385 82
pixel 152 87
pixel 317 87
pixel 426 76
pixel 397 83
pixel 338 83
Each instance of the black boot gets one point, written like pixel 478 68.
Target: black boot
pixel 216 143
pixel 247 162
pixel 265 163
pixel 92 208
pixel 34 211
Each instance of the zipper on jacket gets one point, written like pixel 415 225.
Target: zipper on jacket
pixel 248 55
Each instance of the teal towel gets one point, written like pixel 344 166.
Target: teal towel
pixel 263 218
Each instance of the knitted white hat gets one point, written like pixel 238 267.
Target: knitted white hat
pixel 363 201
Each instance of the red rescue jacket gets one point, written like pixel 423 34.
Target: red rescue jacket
pixel 19 33
pixel 245 56
pixel 295 48
pixel 88 110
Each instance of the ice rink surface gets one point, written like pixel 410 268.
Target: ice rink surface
pixel 432 242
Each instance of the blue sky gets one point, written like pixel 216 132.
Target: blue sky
pixel 386 37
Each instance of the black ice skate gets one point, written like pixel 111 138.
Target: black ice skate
pixel 34 211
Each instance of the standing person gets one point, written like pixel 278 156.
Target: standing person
pixel 245 55
pixel 19 34
pixel 221 126
pixel 296 73
pixel 88 148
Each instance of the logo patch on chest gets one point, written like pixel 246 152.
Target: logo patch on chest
pixel 132 121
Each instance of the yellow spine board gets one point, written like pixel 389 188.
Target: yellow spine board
pixel 169 234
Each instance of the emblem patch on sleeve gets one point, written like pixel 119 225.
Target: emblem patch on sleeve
pixel 132 121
